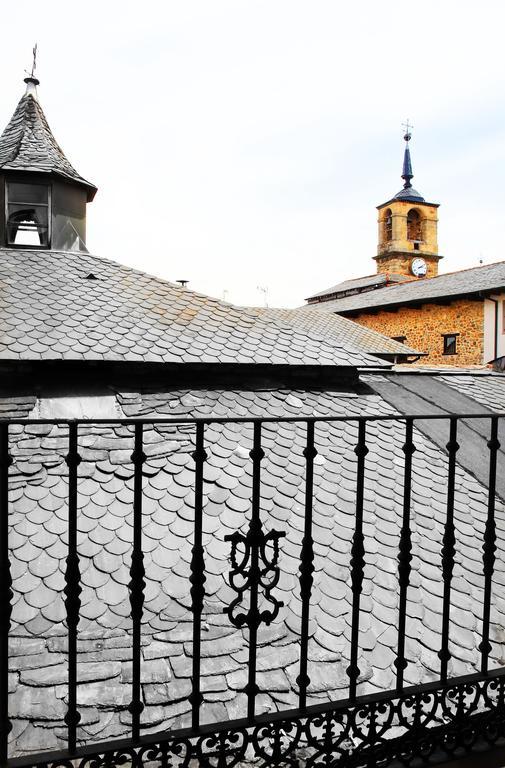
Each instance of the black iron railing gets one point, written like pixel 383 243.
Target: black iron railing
pixel 438 720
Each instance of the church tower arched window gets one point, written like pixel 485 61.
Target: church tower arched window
pixel 388 225
pixel 414 225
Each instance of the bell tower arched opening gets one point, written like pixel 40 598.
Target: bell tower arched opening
pixel 414 226
pixel 388 226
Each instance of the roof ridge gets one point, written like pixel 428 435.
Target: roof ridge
pixel 467 269
pixel 52 139
pixel 425 280
pixel 182 325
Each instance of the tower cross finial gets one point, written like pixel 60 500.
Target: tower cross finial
pixel 31 81
pixel 34 63
pixel 407 127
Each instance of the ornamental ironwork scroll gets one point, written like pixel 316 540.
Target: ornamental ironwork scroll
pixel 264 548
pixel 254 559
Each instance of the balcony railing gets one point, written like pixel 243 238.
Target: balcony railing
pixel 436 720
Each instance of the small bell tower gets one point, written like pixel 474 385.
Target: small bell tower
pixel 408 242
pixel 42 197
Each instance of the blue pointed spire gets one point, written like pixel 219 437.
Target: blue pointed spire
pixel 407 174
pixel 408 192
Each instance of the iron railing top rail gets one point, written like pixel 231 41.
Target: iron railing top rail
pixel 118 745
pixel 258 419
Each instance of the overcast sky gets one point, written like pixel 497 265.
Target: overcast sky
pixel 244 144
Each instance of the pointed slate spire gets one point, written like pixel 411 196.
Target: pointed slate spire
pixel 27 143
pixel 408 192
pixel 407 174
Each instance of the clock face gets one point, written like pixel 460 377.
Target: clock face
pixel 419 267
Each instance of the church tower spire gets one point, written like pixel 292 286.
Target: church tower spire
pixel 407 174
pixel 42 197
pixel 408 228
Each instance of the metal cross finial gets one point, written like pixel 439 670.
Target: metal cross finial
pixel 34 64
pixel 407 128
pixel 31 74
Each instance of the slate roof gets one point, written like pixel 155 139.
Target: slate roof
pixel 478 394
pixel 53 308
pixel 486 389
pixel 489 277
pixel 361 283
pixel 27 144
pixel 409 194
pixel 38 529
pixel 341 330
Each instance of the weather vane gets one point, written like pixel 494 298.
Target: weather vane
pixel 407 127
pixel 34 63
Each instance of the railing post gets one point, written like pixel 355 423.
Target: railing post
pixel 197 575
pixel 257 454
pixel 6 593
pixel 72 588
pixel 404 555
pixel 357 559
pixel 489 546
pixel 306 565
pixel 448 548
pixel 137 583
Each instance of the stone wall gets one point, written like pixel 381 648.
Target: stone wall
pixel 424 327
pixel 399 263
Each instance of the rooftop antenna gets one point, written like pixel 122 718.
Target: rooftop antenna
pixel 31 79
pixel 264 291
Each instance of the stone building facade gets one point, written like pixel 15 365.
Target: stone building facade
pixel 454 319
pixel 427 327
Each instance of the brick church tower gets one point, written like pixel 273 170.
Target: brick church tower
pixel 408 230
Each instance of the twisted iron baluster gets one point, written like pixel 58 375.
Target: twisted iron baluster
pixel 197 575
pixel 306 565
pixel 256 539
pixel 137 583
pixel 404 555
pixel 72 588
pixel 448 549
pixel 357 560
pixel 489 546
pixel 6 593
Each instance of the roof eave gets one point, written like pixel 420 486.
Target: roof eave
pixel 404 200
pixel 90 188
pixel 478 294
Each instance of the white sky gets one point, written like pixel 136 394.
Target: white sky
pixel 246 143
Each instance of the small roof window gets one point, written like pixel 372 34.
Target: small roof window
pixel 28 214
